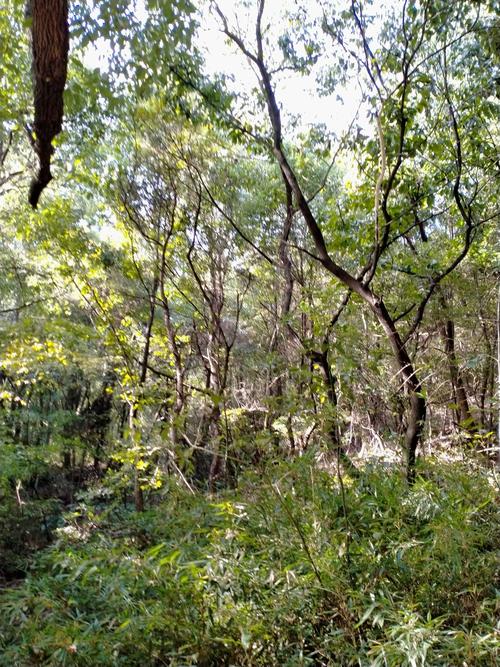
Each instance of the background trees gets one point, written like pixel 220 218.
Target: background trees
pixel 230 304
pixel 192 241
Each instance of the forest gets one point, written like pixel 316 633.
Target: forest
pixel 250 333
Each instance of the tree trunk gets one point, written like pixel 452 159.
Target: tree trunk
pixel 321 359
pixel 138 494
pixel 462 409
pixel 180 398
pixel 498 376
pixel 50 46
pixel 410 384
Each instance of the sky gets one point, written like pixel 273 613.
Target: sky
pixel 297 94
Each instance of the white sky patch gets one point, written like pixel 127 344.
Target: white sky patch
pixel 297 94
pixel 110 233
pixel 97 55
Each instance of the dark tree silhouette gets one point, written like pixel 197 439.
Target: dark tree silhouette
pixel 50 46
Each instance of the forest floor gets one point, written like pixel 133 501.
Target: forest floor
pixel 294 567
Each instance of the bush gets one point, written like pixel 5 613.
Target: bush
pixel 280 572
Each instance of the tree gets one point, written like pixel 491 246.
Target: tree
pixel 399 85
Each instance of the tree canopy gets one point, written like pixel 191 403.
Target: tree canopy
pixel 249 331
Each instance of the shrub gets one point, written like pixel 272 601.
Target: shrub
pixel 282 571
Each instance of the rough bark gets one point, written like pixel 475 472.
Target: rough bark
pixel 50 46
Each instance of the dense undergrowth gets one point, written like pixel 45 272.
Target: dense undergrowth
pixel 286 570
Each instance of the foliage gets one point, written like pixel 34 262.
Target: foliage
pixel 183 385
pixel 276 573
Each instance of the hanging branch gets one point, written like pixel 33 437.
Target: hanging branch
pixel 50 46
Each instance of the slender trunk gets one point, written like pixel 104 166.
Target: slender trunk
pixel 208 461
pixel 143 371
pixel 214 417
pixel 409 380
pixel 138 494
pixel 498 375
pixel 290 434
pixel 463 414
pixel 276 385
pixel 215 435
pixel 487 372
pixel 180 398
pixel 409 383
pixel 66 459
pixel 462 409
pixel 284 256
pixel 321 358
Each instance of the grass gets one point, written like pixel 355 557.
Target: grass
pixel 282 571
